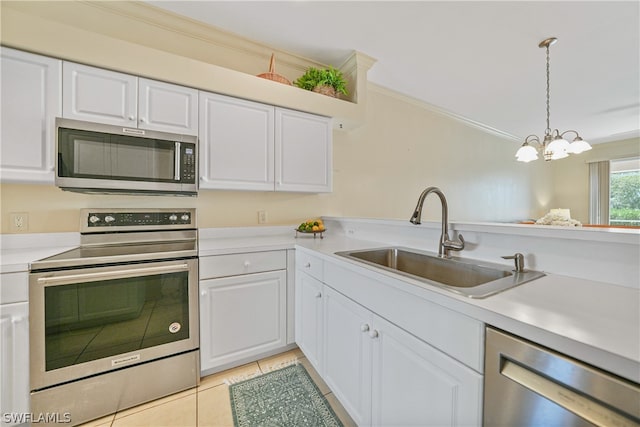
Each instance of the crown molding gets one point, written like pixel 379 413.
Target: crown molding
pixel 433 108
pixel 148 25
pixel 634 134
pixel 169 21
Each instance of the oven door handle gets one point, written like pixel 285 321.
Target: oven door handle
pixel 106 275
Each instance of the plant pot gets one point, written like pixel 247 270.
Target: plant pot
pixel 326 90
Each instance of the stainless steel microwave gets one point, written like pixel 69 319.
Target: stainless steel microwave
pixel 99 158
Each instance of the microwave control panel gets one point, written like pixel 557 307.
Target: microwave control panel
pixel 188 172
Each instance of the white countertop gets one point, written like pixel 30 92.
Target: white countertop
pixel 17 251
pixel 593 321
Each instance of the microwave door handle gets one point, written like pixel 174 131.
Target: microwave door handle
pixel 176 159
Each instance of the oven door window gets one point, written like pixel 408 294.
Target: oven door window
pixel 94 320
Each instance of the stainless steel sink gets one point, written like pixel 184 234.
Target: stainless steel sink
pixel 473 279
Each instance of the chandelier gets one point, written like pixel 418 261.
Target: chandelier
pixel 553 146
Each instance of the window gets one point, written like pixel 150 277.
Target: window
pixel 624 192
pixel 614 191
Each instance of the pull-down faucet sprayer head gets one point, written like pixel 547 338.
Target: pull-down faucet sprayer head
pixel 415 218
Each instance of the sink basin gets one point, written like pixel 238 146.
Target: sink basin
pixel 470 278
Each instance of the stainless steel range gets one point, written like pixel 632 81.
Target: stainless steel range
pixel 114 322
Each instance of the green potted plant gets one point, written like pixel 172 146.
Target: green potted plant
pixel 327 81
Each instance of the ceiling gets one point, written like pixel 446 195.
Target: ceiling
pixel 476 59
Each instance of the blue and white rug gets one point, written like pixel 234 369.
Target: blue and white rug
pixel 287 397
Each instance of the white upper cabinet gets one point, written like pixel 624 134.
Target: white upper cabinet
pixel 31 99
pixel 97 95
pixel 104 96
pixel 303 152
pixel 167 107
pixel 236 144
pixel 246 145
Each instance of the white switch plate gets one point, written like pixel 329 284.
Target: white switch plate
pixel 19 221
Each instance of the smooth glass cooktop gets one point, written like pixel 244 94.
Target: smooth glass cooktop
pixel 92 255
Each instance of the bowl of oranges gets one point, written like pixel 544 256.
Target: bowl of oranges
pixel 312 226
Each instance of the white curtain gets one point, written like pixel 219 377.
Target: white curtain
pixel 599 192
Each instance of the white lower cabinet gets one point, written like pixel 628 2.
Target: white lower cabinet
pixel 415 384
pixel 244 313
pixel 348 354
pixel 308 315
pixel 381 374
pixel 384 376
pixel 14 347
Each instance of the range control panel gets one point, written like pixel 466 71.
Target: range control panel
pixel 137 219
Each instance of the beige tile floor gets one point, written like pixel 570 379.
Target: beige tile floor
pixel 208 404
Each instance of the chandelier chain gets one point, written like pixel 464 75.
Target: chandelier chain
pixel 548 130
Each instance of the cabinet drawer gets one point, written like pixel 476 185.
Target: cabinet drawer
pixel 235 264
pixel 310 264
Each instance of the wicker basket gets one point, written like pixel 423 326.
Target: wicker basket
pixel 271 75
pixel 326 90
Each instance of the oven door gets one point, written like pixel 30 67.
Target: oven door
pixel 92 320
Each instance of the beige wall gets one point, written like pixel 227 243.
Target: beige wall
pixel 406 146
pixel 571 175
pixel 380 168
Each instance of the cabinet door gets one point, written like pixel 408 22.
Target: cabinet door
pixel 167 107
pixel 14 360
pixel 31 99
pixel 242 316
pixel 308 315
pixel 415 384
pixel 303 152
pixel 347 354
pixel 97 95
pixel 236 144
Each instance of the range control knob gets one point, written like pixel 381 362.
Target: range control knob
pixel 173 217
pixel 109 219
pixel 93 219
pixel 185 217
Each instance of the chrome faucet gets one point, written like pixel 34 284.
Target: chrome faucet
pixel 445 245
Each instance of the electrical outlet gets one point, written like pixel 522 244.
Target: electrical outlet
pixel 19 221
pixel 262 217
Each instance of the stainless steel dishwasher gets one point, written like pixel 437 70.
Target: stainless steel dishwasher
pixel 528 385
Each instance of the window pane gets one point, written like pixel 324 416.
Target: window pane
pixel 624 199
